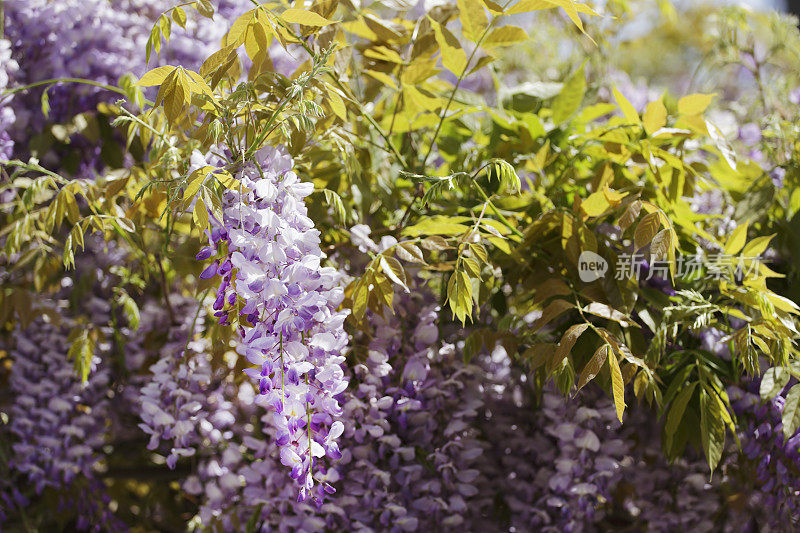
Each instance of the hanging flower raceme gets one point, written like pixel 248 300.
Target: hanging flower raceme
pixel 273 285
pixel 174 405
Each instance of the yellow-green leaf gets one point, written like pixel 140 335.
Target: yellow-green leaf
pixel 393 270
pixel 494 7
pixel 526 6
pixel 594 365
pixel 570 98
pixel 200 214
pixel 655 116
pixel 179 16
pixel 235 36
pixel 156 76
pixel 454 58
pixel 757 246
pixel 382 77
pixel 473 18
pixel 627 108
pixel 505 35
pixel 436 225
pixel 773 381
pixel 306 18
pixel 617 385
pixel 737 240
pixel 410 252
pixel 791 412
pixel 694 104
pixel 646 230
pixel 712 429
pixel 596 204
pixel 568 340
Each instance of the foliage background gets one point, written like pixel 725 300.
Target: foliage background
pixel 462 156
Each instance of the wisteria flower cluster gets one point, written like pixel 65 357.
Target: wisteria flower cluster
pixel 285 303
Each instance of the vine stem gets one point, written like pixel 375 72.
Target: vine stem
pixel 489 203
pixel 165 288
pixel 349 94
pixel 15 90
pixel 458 83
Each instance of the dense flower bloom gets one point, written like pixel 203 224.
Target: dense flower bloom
pixel 552 467
pixel 273 285
pixel 174 401
pixel 411 446
pixel 57 424
pixel 99 40
pixel 8 67
pixel 767 472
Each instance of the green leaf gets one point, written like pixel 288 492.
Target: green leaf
pixel 677 408
pixel 306 18
pixel 570 98
pixel 130 309
pixel 538 354
pixel 773 381
pixel 46 103
pixel 594 365
pixel 336 203
pixel 606 311
pixel 712 429
pixel 179 16
pixel 553 310
pixel 254 520
pixel 81 352
pixel 410 252
pixel 509 180
pixel 791 412
pixel 568 341
pixel 646 230
pixel 393 270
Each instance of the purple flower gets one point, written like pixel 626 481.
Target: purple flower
pixel 287 303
